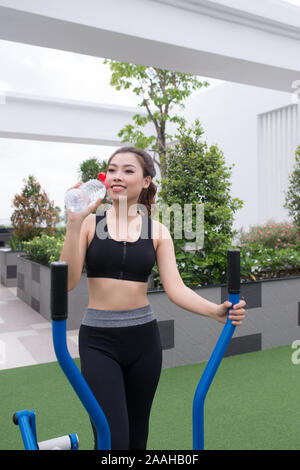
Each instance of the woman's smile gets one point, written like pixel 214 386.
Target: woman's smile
pixel 117 188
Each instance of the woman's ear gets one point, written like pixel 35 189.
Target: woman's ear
pixel 149 179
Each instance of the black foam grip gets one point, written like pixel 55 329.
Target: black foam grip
pixel 59 290
pixel 233 271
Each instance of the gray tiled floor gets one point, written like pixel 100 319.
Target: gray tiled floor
pixel 25 336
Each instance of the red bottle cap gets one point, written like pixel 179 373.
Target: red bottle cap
pixel 102 177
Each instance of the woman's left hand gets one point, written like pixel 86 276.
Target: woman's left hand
pixel 236 314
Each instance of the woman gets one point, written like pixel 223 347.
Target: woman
pixel 119 342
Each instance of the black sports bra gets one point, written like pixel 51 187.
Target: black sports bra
pixel 132 261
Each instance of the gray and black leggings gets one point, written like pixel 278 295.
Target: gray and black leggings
pixel 122 367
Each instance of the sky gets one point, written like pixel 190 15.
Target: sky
pixel 49 72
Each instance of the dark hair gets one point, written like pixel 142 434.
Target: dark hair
pixel 147 195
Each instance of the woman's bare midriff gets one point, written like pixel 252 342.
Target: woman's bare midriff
pixel 116 294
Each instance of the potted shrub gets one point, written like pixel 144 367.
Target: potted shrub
pixel 34 214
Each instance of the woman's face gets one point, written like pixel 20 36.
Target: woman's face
pixel 125 169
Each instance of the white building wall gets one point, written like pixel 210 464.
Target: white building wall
pixel 229 114
pixel 278 138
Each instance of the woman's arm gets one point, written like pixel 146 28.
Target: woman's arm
pixel 182 295
pixel 188 299
pixel 74 249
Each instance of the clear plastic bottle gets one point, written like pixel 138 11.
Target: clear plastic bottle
pixel 78 199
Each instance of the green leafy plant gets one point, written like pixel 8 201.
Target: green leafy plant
pixel 159 90
pixel 15 245
pixel 269 250
pixel 90 168
pixel 270 235
pixel 44 249
pixel 292 198
pixel 259 262
pixel 197 174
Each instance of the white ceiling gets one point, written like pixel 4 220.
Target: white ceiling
pixel 293 2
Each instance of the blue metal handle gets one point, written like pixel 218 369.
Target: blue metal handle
pixel 26 421
pixel 233 272
pixel 207 378
pixel 59 334
pixel 59 315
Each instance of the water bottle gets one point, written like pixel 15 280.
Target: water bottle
pixel 78 199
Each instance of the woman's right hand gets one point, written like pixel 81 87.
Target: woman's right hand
pixel 78 217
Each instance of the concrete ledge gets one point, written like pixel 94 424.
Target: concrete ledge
pixel 8 267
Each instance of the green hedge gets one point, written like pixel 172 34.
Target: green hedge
pixel 44 249
pixel 257 261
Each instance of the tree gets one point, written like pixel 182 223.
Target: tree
pixel 159 90
pixel 197 175
pixel 89 169
pixel 35 214
pixel 292 197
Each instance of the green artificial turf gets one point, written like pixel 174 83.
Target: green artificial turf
pixel 253 403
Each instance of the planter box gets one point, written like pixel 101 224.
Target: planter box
pixel 8 267
pixel 273 314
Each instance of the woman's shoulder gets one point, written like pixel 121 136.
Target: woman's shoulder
pixel 160 230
